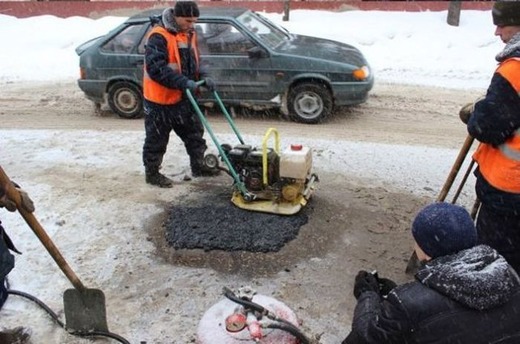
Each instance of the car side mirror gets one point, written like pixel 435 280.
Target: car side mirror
pixel 257 52
pixel 154 20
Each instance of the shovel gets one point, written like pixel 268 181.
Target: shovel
pixel 413 262
pixel 85 310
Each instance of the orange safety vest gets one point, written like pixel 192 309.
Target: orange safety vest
pixel 152 90
pixel 500 165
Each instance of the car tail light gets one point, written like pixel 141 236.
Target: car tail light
pixel 82 73
pixel 361 73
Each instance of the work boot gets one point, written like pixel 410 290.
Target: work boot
pixel 158 179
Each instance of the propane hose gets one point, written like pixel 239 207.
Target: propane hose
pixel 247 304
pixel 290 329
pixel 279 323
pixel 55 317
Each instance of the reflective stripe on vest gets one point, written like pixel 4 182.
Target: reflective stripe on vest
pixel 508 149
pixel 152 90
pixel 500 165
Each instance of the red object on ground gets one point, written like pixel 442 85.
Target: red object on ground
pixel 211 330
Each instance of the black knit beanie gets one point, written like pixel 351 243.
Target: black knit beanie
pixel 441 229
pixel 186 9
pixel 506 13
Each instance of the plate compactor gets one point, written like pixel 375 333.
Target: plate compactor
pixel 265 178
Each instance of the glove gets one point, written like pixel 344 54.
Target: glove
pixel 466 111
pixel 7 203
pixel 385 286
pixel 191 85
pixel 10 205
pixel 365 281
pixel 27 202
pixel 209 84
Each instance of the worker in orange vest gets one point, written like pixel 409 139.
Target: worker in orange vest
pixel 494 120
pixel 171 67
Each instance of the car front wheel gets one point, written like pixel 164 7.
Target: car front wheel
pixel 309 102
pixel 125 99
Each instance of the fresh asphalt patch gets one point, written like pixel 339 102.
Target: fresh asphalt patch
pixel 208 220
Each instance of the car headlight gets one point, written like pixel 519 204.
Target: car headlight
pixel 361 73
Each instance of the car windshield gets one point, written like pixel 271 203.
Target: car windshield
pixel 264 30
pixel 276 26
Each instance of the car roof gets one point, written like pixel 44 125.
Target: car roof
pixel 212 12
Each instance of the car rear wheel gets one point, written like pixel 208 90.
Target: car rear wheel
pixel 309 102
pixel 125 99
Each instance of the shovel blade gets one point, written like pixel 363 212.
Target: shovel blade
pixel 85 310
pixel 413 264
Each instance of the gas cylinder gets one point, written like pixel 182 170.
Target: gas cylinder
pixel 228 322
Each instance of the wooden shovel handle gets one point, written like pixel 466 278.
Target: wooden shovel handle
pixel 455 168
pixel 13 194
pixel 413 262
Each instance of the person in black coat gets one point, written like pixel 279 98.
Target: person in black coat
pixel 6 244
pixel 463 293
pixel 19 334
pixel 6 263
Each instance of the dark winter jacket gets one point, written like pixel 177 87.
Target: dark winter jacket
pixel 472 297
pixel 6 262
pixel 494 120
pixel 156 58
pixel 496 116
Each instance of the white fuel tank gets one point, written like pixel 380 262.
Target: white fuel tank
pixel 295 162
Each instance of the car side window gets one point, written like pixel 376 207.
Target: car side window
pixel 223 39
pixel 141 46
pixel 201 39
pixel 124 42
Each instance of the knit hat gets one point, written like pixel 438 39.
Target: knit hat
pixel 442 229
pixel 184 8
pixel 506 13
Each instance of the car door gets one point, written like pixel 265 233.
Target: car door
pixel 121 56
pixel 239 77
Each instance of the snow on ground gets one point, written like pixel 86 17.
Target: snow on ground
pixel 402 47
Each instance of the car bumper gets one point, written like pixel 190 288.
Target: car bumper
pixel 93 89
pixel 351 93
